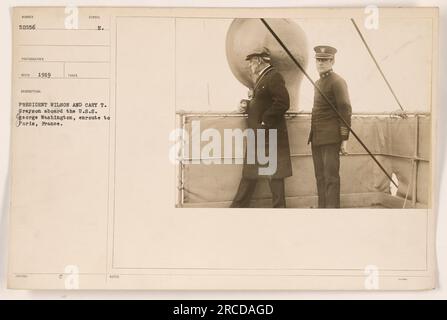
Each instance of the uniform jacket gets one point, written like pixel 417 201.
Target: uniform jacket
pixel 269 104
pixel 326 127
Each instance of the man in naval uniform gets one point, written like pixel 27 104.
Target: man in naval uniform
pixel 328 134
pixel 266 110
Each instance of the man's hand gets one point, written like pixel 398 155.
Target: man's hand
pixel 243 105
pixel 343 148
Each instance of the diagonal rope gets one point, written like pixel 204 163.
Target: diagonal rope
pixel 377 64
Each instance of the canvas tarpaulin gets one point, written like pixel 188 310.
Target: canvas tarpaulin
pixel 398 144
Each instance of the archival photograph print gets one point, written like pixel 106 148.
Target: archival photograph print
pixel 223 148
pixel 303 113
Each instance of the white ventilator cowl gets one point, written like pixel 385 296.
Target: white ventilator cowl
pixel 246 34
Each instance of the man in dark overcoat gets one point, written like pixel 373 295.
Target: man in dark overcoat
pixel 329 134
pixel 266 111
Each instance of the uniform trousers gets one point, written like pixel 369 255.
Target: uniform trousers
pixel 326 159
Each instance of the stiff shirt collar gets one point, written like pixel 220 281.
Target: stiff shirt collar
pixel 262 74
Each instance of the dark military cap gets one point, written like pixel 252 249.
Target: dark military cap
pixel 262 52
pixel 324 52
